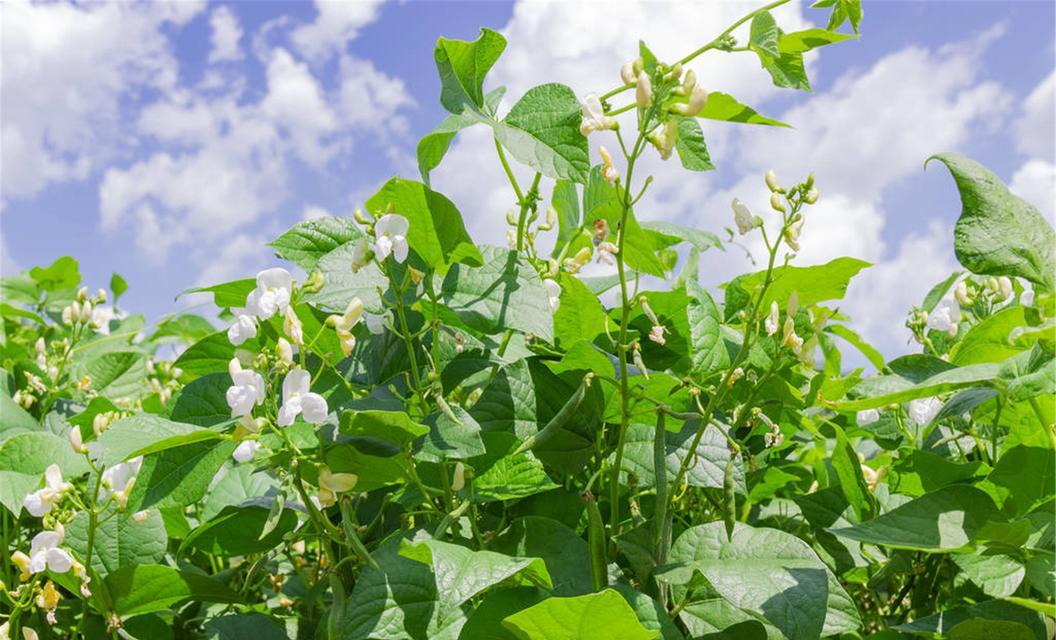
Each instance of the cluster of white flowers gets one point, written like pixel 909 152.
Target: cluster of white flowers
pixel 39 503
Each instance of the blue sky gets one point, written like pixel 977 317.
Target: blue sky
pixel 169 141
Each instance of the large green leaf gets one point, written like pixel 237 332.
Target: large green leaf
pixel 565 202
pixel 542 131
pixel 566 554
pixel 997 574
pixel 178 476
pixel 770 573
pixel 437 232
pixel 240 626
pixel 998 232
pixel 126 437
pixel 598 616
pixel 505 293
pixel 602 200
pixel 943 520
pixel 500 475
pixel 204 401
pixel 433 146
pixel 33 452
pixel 211 354
pixel 707 349
pixel 234 485
pixel 944 622
pixel 764 34
pixel 340 284
pixel 810 284
pixel 240 531
pixel 706 469
pixel 116 375
pixel 227 294
pixel 61 274
pixel 395 427
pixel 120 540
pixel 1024 477
pixel 462 66
pixel 726 108
pixel 880 391
pixel 308 241
pixel 145 588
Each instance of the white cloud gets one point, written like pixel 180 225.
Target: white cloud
pixel 225 37
pixel 338 22
pixel 1035 182
pixel 244 255
pixel 67 70
pixel 313 211
pixel 295 101
pixel 1036 130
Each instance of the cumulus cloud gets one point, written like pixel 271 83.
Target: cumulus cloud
pixel 338 22
pixel 1036 130
pixel 226 35
pixel 1035 182
pixel 67 70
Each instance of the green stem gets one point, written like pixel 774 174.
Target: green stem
pixel 715 43
pixel 525 205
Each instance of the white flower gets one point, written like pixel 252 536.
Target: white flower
pixel 743 217
pixel 1004 287
pixel 594 118
pixel 945 317
pixel 360 255
pixel 390 234
pixel 789 337
pixel 274 287
pixel 44 552
pixel 960 292
pixel 284 351
pixel 664 138
pixel 697 99
pixel 924 410
pixel 297 399
pixel 376 322
pixel 76 441
pixel 291 324
pixel 868 416
pixel 553 293
pixel 343 324
pixel 331 484
pixel 121 478
pixel 244 328
pixel 627 72
pixel 29 634
pixel 656 334
pixel 773 321
pixel 39 502
pixel 792 234
pixel 101 317
pixel 245 450
pixel 605 252
pixel 246 390
pixel 644 91
pixel 1027 298
pixel 608 170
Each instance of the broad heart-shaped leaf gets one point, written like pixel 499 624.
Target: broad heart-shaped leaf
pixel 227 294
pixel 998 232
pixel 725 108
pixel 597 616
pixel 810 284
pixel 462 66
pixel 500 475
pixel 505 293
pixel 145 588
pixel 451 439
pixel 880 391
pixel 770 573
pixel 340 284
pixel 943 520
pixel 942 623
pixel 308 241
pixel 14 487
pixel 1029 374
pixel 990 340
pixel 179 476
pixel 120 540
pixel 211 354
pixel 580 315
pixel 433 146
pixel 61 274
pixel 235 485
pixel 689 144
pixel 565 553
pixel 1023 478
pixel 437 233
pixel 240 626
pixel 786 70
pixel 716 619
pixel 602 200
pixel 998 575
pixel 801 41
pixel 118 374
pixel 126 437
pixel 565 202
pixel 764 34
pixel 708 351
pixel 15 418
pixel 542 131
pixel 391 426
pixel 462 573
pixel 203 402
pixel 397 600
pixel 706 468
pixel 32 452
pixel 237 531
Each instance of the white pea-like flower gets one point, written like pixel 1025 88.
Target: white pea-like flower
pixel 644 90
pixel 45 552
pixel 39 502
pixel 698 98
pixel 390 236
pixel 77 441
pixel 1004 287
pixel 331 484
pixel 773 320
pixel 1027 298
pixel 272 295
pixel 789 338
pixel 608 169
pixel 743 217
pixel 344 323
pixel 297 399
pixel 246 390
pixel 924 410
pixel 120 479
pixel 792 234
pixel 606 251
pixel 627 72
pixel 594 118
pixel 553 293
pixel 656 334
pixel 945 316
pixel 245 450
pixel 867 416
pixel 244 328
pixel 284 351
pixel 292 326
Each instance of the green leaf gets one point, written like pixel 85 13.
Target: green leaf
pixel 498 475
pixel 391 426
pixel 120 540
pixel 879 391
pixel 373 471
pixel 1018 490
pixel 145 588
pixel 203 402
pixel 118 286
pixel 998 575
pixel 801 41
pixel 14 487
pixel 241 626
pixel 580 315
pixel 451 439
pixel 602 201
pixel 707 349
pixel 308 241
pixel 340 284
pixel 505 293
pixel 211 354
pixel 33 452
pixel 1029 374
pixel 706 469
pixel 115 375
pixel 235 485
pixel 127 436
pixel 61 274
pixel 999 233
pixel 944 622
pixel 810 284
pixel 786 70
pixel 437 233
pixel 227 294
pixel 564 552
pixel 240 531
pixel 15 418
pixel 689 143
pixel 764 34
pixel 725 108
pixel 179 476
pixel 542 131
pixel 848 470
pixel 869 351
pixel 565 202
pixel 462 66
pixel 771 574
pixel 598 616
pixel 942 520
pixel 433 146
pixel 842 11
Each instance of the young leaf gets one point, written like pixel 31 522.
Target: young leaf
pixel 764 34
pixel 462 66
pixel 308 241
pixel 598 616
pixel 692 150
pixel 542 131
pixel 811 284
pixel 801 41
pixel 725 108
pixel 144 588
pixel 118 286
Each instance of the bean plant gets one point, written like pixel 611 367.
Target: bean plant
pixel 409 435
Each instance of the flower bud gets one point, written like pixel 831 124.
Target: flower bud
pixel 960 292
pixel 459 479
pixel 82 294
pixel 608 169
pixel 75 311
pixel 511 218
pixel 644 93
pixel 291 324
pixel 773 319
pixel 511 238
pixel 776 204
pixel 76 441
pixel 627 73
pixel 689 82
pixel 698 98
pixel 39 346
pixel 1004 287
pixel 771 181
pixel 792 234
pixel 100 295
pixel 315 282
pixel 284 351
pixel 141 516
pixel 812 196
pixel 360 217
pixel 675 73
pixel 637 66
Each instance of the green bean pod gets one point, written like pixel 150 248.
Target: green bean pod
pixel 729 497
pixel 599 572
pixel 559 420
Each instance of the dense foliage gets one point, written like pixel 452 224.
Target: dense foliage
pixel 415 436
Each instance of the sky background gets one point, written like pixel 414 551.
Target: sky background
pixel 170 141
